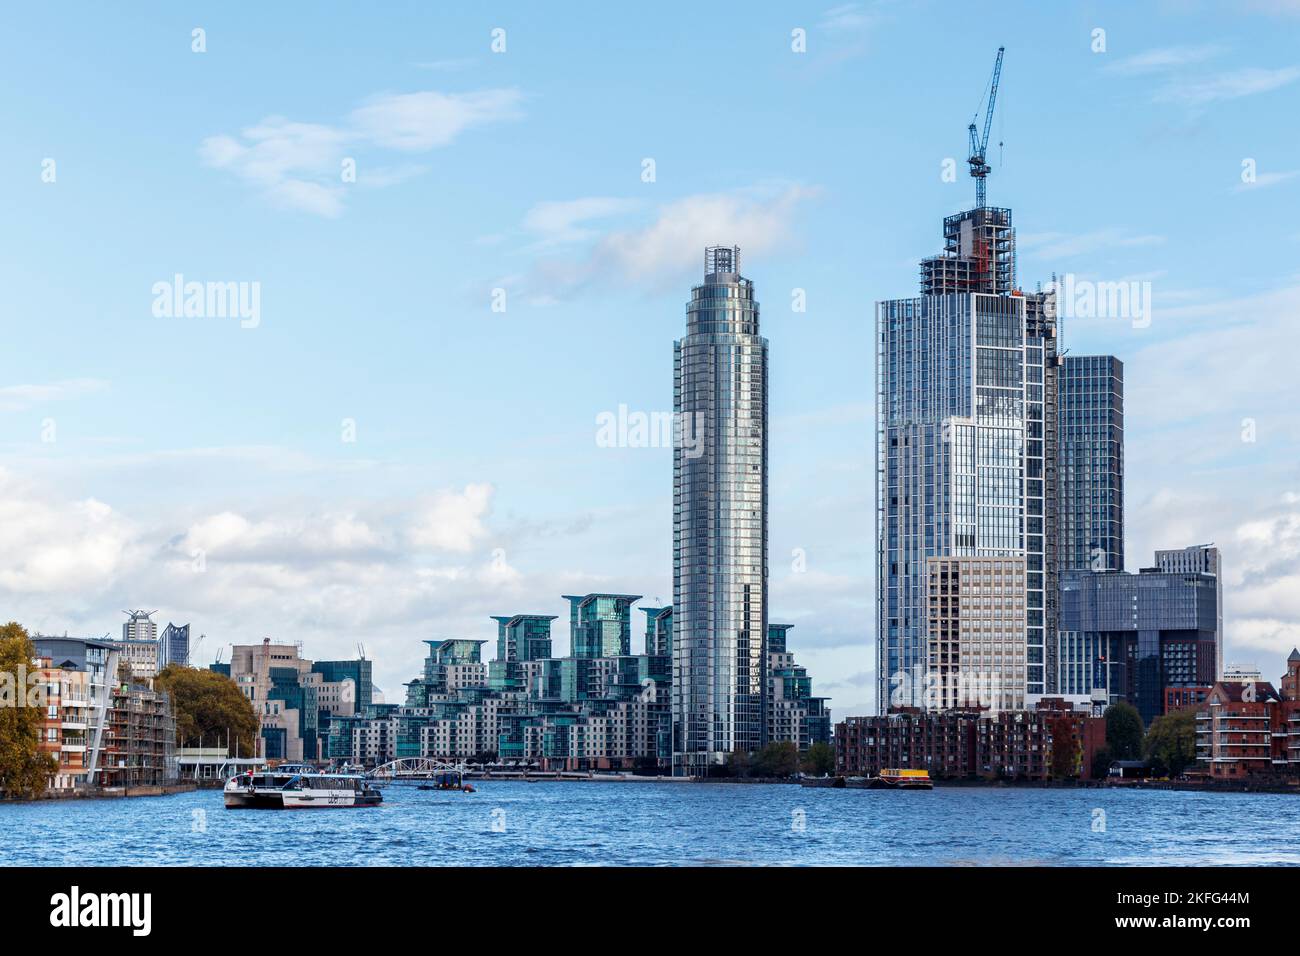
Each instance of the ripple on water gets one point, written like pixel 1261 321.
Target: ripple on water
pixel 558 824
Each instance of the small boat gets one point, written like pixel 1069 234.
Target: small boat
pixel 901 779
pixel 298 787
pixel 447 780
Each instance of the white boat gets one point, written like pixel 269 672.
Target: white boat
pixel 298 787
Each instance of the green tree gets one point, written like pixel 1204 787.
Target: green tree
pixel 1123 731
pixel 780 758
pixel 738 764
pixel 1171 742
pixel 1065 749
pixel 209 706
pixel 24 769
pixel 819 759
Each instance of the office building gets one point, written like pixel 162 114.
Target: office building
pixel 174 646
pixel 1200 559
pixel 1132 636
pixel 720 487
pixel 1091 472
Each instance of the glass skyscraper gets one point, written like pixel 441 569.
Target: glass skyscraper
pixel 1092 463
pixel 719 521
pixel 966 437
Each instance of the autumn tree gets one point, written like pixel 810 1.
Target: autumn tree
pixel 209 706
pixel 818 760
pixel 24 769
pixel 1171 741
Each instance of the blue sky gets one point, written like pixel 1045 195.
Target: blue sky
pixel 132 443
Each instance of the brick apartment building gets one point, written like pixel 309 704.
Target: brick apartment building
pixel 1247 729
pixel 969 743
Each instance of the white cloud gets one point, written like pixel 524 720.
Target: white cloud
pixel 1061 245
pixel 58 546
pixel 299 165
pixel 1264 180
pixel 1200 91
pixel 1163 59
pixel 452 521
pixel 659 253
pixel 16 398
pixel 570 220
pixel 418 122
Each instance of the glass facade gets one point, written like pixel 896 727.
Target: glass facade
pixel 1130 636
pixel 965 446
pixel 1092 463
pixel 600 625
pixel 719 521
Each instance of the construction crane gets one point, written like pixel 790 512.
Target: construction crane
pixel 979 167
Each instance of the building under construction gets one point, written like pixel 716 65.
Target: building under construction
pixel 966 455
pixel 139 748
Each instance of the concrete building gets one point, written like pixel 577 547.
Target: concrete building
pixel 975 613
pixel 293 698
pixel 139 654
pixel 966 440
pixel 720 490
pixel 1091 472
pixel 139 626
pixel 793 713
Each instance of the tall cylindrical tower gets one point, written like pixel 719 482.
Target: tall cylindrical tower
pixel 719 522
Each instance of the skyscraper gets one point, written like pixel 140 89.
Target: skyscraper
pixel 719 521
pixel 966 452
pixel 1092 463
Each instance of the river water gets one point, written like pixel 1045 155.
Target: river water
pixel 513 823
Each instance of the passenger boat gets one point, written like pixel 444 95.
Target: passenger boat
pixel 896 779
pixel 298 787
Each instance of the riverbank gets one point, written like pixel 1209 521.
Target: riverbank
pixel 96 793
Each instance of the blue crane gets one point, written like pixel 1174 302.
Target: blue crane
pixel 979 167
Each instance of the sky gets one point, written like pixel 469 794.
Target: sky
pixel 472 231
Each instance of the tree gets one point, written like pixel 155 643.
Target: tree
pixel 1065 749
pixel 1101 764
pixel 24 769
pixel 737 764
pixel 780 758
pixel 819 759
pixel 1171 742
pixel 210 706
pixel 1123 731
